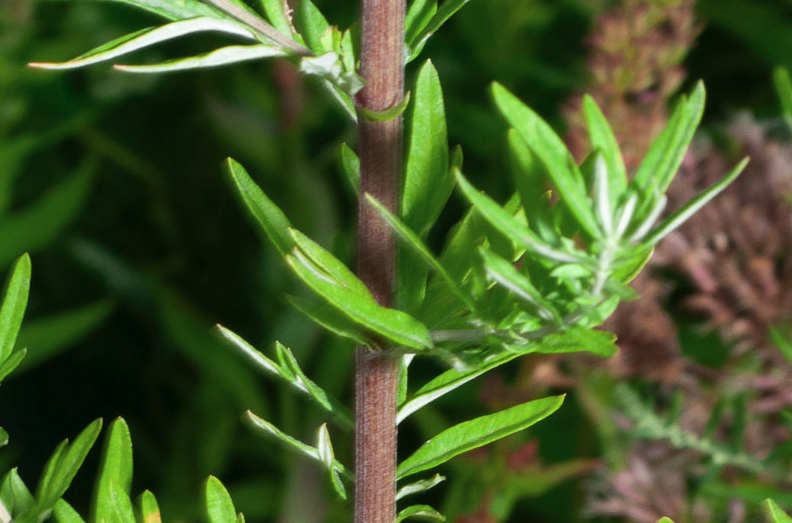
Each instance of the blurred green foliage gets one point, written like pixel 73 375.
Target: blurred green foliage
pixel 114 185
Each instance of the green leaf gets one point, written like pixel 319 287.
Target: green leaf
pixel 148 508
pixel 577 339
pixel 275 11
pixel 415 243
pixel 268 215
pixel 67 461
pixel 666 152
pixel 64 513
pixel 148 37
pixel 783 85
pixel 602 139
pixel 395 325
pixel 13 306
pixel 419 486
pixel 115 470
pixel 477 432
pixel 272 431
pixel 419 14
pixel 219 507
pixel 333 320
pixel 174 10
pixel 448 381
pixel 15 495
pixel 217 58
pixel 424 512
pixel 508 225
pixel 774 512
pixel 311 24
pixel 504 273
pixel 679 216
pixel 37 225
pixel 295 376
pixel 331 265
pixel 351 167
pixel 428 182
pixel 531 181
pixel 327 458
pixel 665 519
pixel 11 363
pixel 446 11
pixel 117 505
pixel 553 154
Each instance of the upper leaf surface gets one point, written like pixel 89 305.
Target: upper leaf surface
pixel 13 306
pixel 115 470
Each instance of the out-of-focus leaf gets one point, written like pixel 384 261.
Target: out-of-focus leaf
pixel 148 37
pixel 311 24
pixel 11 363
pixel 325 451
pixel 444 12
pixel 775 513
pixel 477 432
pixel 783 85
pixel 115 472
pixel 219 57
pixel 48 336
pixel 15 495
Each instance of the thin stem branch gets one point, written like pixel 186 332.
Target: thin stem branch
pixel 376 373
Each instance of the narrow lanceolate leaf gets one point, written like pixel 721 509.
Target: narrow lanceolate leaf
pixel 118 505
pixel 419 14
pixel 171 10
pixel 603 200
pixel 351 166
pixel 148 37
pixel 311 24
pixel 506 275
pixel 264 211
pixel 446 11
pixel 415 243
pixel 67 461
pixel 423 512
pixel 679 216
pixel 552 152
pixel 666 152
pixel 14 494
pixel 115 470
pixel 148 508
pixel 419 486
pixel 65 513
pixel 428 182
pixel 272 431
pixel 665 519
pixel 448 381
pixel 774 512
pixel 13 305
pixel 220 57
pixel 477 432
pixel 219 507
pixel 327 458
pixel 602 139
pixel 508 225
pixel 578 339
pixel 399 327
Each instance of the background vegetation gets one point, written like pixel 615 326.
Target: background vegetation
pixel 114 185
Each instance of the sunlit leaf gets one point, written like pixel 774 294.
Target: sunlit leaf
pixel 65 513
pixel 148 508
pixel 13 306
pixel 602 139
pixel 220 57
pixel 311 24
pixel 115 471
pixel 444 12
pixel 423 512
pixel 774 512
pixel 219 507
pixel 419 14
pixel 419 486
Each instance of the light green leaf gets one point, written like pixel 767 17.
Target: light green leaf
pixel 504 273
pixel 419 486
pixel 679 216
pixel 428 182
pixel 268 215
pixel 37 225
pixel 64 513
pixel 64 467
pixel 602 139
pixel 174 10
pixel 448 381
pixel 351 166
pixel 774 512
pixel 329 264
pixel 219 57
pixel 508 225
pixel 419 14
pixel 15 495
pixel 148 37
pixel 666 152
pixel 327 458
pixel 12 309
pixel 272 431
pixel 117 505
pixel 395 325
pixel 49 335
pixel 219 507
pixel 577 339
pixel 477 432
pixel 424 512
pixel 311 24
pixel 276 13
pixel 553 154
pixel 665 519
pixel 414 242
pixel 11 363
pixel 446 11
pixel 295 376
pixel 148 508
pixel 3 437
pixel 115 471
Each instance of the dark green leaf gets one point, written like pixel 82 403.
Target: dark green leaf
pixel 333 320
pixel 419 14
pixel 351 167
pixel 115 471
pixel 477 432
pixel 553 154
pixel 11 363
pixel 311 24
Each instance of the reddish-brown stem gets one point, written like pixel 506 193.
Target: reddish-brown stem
pixel 376 373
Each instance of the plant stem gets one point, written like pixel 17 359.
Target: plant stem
pixel 376 373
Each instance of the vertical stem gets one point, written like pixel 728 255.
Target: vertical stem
pixel 376 373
